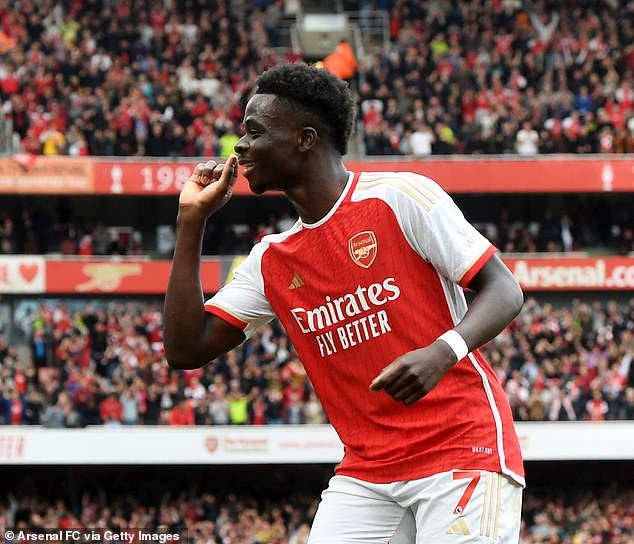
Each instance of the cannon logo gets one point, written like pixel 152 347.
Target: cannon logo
pixel 362 248
pixel 107 277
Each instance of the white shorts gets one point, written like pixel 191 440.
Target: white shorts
pixel 461 506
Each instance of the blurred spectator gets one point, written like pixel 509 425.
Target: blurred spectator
pixel 527 140
pixel 103 80
pixel 182 413
pixel 110 410
pixel 342 61
pixel 106 366
pixel 553 515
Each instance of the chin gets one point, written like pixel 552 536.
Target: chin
pixel 255 188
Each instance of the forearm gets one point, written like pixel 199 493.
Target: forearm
pixel 496 304
pixel 184 313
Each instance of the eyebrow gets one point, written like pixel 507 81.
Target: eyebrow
pixel 252 122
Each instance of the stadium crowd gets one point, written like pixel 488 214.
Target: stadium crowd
pixel 32 231
pixel 580 518
pixel 171 79
pixel 501 77
pixel 95 365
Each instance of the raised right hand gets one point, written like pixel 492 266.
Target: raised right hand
pixel 208 189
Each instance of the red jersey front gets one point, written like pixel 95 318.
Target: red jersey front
pixel 378 276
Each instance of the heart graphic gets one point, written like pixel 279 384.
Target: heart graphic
pixel 29 271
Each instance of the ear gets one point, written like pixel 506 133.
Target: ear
pixel 308 138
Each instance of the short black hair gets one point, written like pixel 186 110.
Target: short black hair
pixel 317 92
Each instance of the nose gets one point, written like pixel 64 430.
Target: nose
pixel 241 145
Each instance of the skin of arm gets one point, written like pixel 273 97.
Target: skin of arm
pixel 498 300
pixel 192 337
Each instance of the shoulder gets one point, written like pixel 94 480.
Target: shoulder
pixel 271 240
pixel 399 186
pixel 278 238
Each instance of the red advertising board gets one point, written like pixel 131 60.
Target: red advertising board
pixel 575 274
pixel 120 277
pixel 155 177
pixel 460 175
pixel 36 274
pixel 31 174
pixel 148 178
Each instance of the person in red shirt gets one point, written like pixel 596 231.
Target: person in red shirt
pixel 369 285
pixel 182 414
pixel 17 408
pixel 110 410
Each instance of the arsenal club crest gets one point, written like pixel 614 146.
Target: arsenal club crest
pixel 211 443
pixel 362 248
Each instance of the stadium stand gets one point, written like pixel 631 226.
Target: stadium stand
pixel 100 78
pixel 278 511
pixel 96 77
pixel 68 225
pixel 104 364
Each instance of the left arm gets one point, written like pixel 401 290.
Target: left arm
pixel 498 300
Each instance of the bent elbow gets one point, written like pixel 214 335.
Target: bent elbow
pixel 181 361
pixel 516 297
pixel 176 364
pixel 179 364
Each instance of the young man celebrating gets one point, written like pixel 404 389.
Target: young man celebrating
pixel 369 287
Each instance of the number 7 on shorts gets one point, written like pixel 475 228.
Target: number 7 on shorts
pixel 474 476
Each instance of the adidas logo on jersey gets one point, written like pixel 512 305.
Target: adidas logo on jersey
pixel 296 282
pixel 459 527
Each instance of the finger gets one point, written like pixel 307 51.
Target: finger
pixel 229 174
pixel 398 386
pixel 207 172
pixel 387 376
pixel 406 391
pixel 195 177
pixel 414 398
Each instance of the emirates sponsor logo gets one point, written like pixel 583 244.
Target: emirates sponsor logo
pixel 348 320
pixel 362 247
pixel 350 305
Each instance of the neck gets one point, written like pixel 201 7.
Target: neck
pixel 319 188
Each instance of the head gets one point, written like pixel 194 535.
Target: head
pixel 297 114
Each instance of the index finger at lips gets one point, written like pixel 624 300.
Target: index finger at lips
pixel 231 167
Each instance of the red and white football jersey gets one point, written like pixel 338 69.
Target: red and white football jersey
pixel 380 275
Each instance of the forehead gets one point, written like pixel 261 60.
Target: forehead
pixel 264 108
pixel 260 106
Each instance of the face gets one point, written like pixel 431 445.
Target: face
pixel 269 151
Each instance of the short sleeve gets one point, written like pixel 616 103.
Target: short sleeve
pixel 242 301
pixel 453 245
pixel 432 223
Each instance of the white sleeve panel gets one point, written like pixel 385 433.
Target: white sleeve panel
pixel 243 297
pixel 430 220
